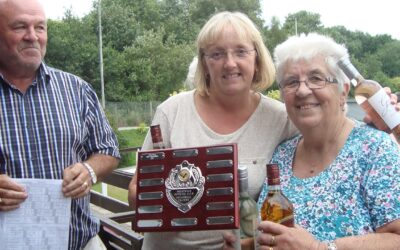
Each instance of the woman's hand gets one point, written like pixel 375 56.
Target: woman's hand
pixel 275 236
pixel 229 240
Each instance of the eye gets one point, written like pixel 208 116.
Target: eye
pixel 241 53
pixel 316 79
pixel 41 28
pixel 216 55
pixel 291 83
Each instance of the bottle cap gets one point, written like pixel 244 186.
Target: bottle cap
pixel 273 174
pixel 243 177
pixel 242 171
pixel 155 132
pixel 348 69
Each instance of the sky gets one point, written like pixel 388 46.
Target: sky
pixel 373 17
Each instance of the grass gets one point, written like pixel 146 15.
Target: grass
pixel 130 138
pixel 112 191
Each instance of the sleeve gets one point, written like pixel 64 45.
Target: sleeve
pixel 381 182
pixel 101 138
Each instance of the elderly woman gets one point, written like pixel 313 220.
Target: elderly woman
pixel 342 176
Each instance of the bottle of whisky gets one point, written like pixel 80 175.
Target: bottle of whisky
pixel 247 208
pixel 276 206
pixel 156 137
pixel 373 99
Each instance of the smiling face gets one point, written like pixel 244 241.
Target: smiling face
pixel 233 72
pixel 23 36
pixel 312 108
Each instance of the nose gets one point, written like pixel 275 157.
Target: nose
pixel 31 34
pixel 230 60
pixel 303 89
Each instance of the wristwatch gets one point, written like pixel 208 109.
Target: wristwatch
pixel 331 245
pixel 91 172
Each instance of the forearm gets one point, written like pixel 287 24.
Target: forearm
pixel 102 164
pixel 372 241
pixel 132 192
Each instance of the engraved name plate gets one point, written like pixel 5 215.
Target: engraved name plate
pixel 219 150
pixel 151 182
pixel 220 220
pixel 150 209
pixel 219 177
pixel 152 156
pixel 150 196
pixel 149 223
pixel 183 222
pixel 185 153
pixel 220 205
pixel 219 191
pixel 152 169
pixel 220 164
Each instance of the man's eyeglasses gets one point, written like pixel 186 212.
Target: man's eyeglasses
pixel 314 82
pixel 222 54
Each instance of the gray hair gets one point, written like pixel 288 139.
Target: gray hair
pixel 307 47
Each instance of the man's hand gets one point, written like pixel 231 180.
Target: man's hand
pixel 393 101
pixel 77 181
pixel 12 194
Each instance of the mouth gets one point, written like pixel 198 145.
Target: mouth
pixel 307 106
pixel 231 76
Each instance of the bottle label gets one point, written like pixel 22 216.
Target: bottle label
pixel 287 221
pixel 380 101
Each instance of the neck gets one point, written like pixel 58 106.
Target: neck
pixel 317 151
pixel 331 136
pixel 20 79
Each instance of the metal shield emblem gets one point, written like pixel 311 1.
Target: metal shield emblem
pixel 184 186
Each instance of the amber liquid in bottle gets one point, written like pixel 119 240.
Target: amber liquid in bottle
pixel 373 99
pixel 276 206
pixel 156 137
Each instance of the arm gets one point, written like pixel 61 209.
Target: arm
pixel 387 237
pixel 132 192
pixel 77 180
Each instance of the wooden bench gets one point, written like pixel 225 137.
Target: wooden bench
pixel 115 225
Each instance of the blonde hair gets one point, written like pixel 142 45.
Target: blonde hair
pixel 247 31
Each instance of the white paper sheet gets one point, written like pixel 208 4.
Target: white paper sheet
pixel 41 222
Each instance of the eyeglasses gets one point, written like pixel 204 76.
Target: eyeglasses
pixel 313 82
pixel 222 54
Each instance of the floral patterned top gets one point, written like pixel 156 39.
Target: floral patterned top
pixel 357 193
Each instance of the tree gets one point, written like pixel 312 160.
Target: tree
pixel 306 22
pixel 389 55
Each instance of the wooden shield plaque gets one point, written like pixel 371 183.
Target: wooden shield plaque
pixel 183 189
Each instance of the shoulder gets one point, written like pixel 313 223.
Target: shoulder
pixel 370 136
pixel 272 104
pixel 58 77
pixel 289 144
pixel 372 145
pixel 182 99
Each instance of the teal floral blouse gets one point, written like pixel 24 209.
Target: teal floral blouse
pixel 358 193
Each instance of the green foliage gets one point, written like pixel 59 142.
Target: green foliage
pixel 142 128
pixel 149 44
pixel 133 138
pixel 274 94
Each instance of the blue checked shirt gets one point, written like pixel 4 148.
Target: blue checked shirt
pixel 56 123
